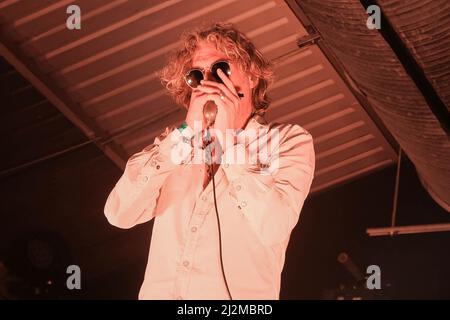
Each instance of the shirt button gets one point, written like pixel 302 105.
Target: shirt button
pixel 243 203
pixel 179 298
pixel 158 166
pixel 204 198
pixel 238 187
pixel 142 178
pixel 226 165
pixel 194 229
pixel 185 263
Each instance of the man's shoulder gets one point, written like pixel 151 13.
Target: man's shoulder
pixel 278 133
pixel 287 130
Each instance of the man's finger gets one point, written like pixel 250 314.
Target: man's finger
pixel 221 100
pixel 208 89
pixel 221 87
pixel 227 81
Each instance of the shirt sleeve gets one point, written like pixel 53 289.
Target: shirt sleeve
pixel 134 197
pixel 271 195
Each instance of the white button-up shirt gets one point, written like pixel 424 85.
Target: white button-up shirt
pixel 258 204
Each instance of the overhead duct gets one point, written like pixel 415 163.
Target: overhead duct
pixel 382 80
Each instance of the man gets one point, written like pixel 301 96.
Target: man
pixel 262 175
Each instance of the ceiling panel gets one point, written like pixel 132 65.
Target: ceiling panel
pixel 109 70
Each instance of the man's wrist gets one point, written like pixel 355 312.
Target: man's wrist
pixel 196 126
pixel 186 134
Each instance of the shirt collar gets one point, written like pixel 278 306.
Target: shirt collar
pixel 255 122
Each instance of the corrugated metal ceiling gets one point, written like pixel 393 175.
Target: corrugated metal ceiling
pixel 107 72
pixel 387 79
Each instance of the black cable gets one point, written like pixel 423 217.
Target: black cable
pixel 218 224
pixel 211 168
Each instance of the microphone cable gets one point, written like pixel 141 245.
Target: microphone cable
pixel 210 112
pixel 211 170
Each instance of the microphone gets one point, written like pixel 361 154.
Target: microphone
pixel 210 113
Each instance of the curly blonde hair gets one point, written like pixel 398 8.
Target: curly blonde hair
pixel 236 46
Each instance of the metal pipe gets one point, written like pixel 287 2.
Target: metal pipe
pixel 424 228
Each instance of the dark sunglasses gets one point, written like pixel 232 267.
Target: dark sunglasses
pixel 194 76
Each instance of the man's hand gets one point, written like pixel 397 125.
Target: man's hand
pixel 229 115
pixel 195 110
pixel 226 99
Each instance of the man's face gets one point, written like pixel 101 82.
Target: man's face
pixel 205 55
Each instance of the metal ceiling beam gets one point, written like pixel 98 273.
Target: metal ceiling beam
pixel 46 86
